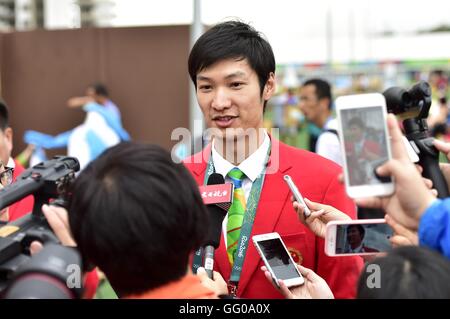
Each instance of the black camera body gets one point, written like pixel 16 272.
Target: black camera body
pixel 414 105
pixel 417 99
pixel 47 181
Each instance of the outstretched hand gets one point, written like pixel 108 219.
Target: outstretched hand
pixel 411 196
pixel 320 215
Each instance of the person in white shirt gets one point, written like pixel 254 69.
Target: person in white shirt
pixel 316 104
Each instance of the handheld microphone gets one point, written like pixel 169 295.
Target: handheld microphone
pixel 217 197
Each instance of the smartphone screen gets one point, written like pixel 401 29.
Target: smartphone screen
pixel 363 238
pixel 365 144
pixel 278 258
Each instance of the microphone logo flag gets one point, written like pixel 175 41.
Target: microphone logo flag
pixel 220 195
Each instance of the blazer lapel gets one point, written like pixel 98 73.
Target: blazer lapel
pixel 274 196
pixel 197 163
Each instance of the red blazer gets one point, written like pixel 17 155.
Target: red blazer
pixel 316 178
pixel 23 206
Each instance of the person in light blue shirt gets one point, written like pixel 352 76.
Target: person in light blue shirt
pixel 434 227
pixel 101 129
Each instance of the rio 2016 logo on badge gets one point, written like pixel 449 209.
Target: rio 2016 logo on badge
pixel 296 255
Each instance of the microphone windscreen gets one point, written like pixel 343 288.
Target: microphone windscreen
pixel 216 215
pixel 215 179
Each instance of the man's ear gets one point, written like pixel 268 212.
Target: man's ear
pixel 324 103
pixel 8 135
pixel 269 88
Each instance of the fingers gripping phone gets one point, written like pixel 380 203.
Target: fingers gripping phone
pixel 277 259
pixel 297 195
pixel 357 237
pixel 365 143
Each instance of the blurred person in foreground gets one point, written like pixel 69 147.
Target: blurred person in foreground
pixel 233 70
pixel 25 205
pixel 6 177
pixel 126 219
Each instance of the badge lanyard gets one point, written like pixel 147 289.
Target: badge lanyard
pixel 247 224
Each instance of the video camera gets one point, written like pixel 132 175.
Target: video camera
pixel 47 181
pixel 413 106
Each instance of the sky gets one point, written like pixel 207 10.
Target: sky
pixel 301 15
pixel 297 29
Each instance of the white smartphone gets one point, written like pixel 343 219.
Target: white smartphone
pixel 277 259
pixel 297 195
pixel 357 237
pixel 364 143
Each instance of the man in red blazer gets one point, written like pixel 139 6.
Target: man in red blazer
pixel 355 240
pixel 233 70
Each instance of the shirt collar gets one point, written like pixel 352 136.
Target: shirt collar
pixel 11 163
pixel 357 249
pixel 330 124
pixel 251 166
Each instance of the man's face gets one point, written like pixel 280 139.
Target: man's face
pixel 356 133
pixel 354 237
pixel 229 96
pixel 310 105
pixel 5 144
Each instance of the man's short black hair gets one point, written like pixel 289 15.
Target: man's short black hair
pixel 4 115
pixel 138 216
pixel 407 272
pixel 323 89
pixel 232 40
pixel 356 121
pixel 360 228
pixel 100 89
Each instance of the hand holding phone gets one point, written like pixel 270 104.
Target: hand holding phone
pixel 298 197
pixel 320 216
pixel 277 259
pixel 315 287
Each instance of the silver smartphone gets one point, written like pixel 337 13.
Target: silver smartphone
pixel 297 195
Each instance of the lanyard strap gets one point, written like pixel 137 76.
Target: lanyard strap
pixel 247 224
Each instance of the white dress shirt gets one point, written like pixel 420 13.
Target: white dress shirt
pixel 11 163
pixel 357 250
pixel 328 144
pixel 251 167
